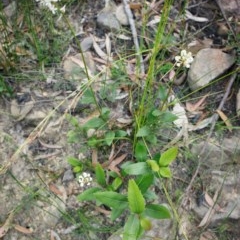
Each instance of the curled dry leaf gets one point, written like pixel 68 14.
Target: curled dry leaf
pixel 192 107
pixel 108 45
pixel 204 123
pixel 195 18
pixel 211 211
pixel 23 229
pixel 225 119
pixel 99 51
pixel 7 225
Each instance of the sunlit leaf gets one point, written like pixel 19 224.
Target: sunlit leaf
pixel 135 198
pixel 112 199
pixel 143 131
pixel 153 164
pixel 168 156
pixel 131 228
pixel 141 152
pixel 87 195
pixel 100 175
pixel 157 211
pixel 165 172
pixel 137 168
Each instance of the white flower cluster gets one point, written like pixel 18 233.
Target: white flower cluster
pixel 185 59
pixel 85 179
pixel 49 4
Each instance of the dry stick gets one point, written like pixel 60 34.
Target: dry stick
pixel 215 118
pixel 225 18
pixel 134 34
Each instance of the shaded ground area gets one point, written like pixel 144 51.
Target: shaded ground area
pixel 39 187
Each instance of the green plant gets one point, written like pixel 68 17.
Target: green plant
pixel 135 197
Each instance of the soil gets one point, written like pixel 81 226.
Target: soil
pixel 37 185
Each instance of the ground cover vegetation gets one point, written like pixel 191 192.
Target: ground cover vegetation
pixel 123 111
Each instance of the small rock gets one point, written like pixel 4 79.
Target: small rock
pixel 228 198
pixel 208 64
pixel 231 6
pixel 121 15
pixel 86 44
pixel 74 66
pixel 68 176
pixel 107 18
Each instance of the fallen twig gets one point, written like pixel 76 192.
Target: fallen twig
pixel 134 34
pixel 215 118
pixel 226 19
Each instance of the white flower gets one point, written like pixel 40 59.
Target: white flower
pixel 49 4
pixel 185 59
pixel 85 179
pixel 63 9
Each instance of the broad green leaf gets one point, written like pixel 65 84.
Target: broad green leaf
pixel 143 131
pixel 165 172
pixel 167 117
pixel 144 182
pixel 151 139
pixel 100 175
pixel 73 120
pixel 77 169
pixel 117 212
pixel 111 199
pixel 141 152
pixel 162 92
pixel 74 161
pixel 145 223
pixel 150 195
pixel 88 97
pixel 157 211
pixel 105 113
pixel 137 168
pixel 117 182
pixel 109 137
pixel 135 198
pixel 93 142
pixel 168 156
pixel 120 133
pixel 93 123
pixel 153 164
pixel 87 195
pixel 131 228
pixel 156 113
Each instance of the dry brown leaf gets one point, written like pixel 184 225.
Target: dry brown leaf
pixel 7 225
pixel 206 219
pixel 54 236
pixel 225 119
pixel 23 229
pixel 99 51
pixel 92 115
pixel 196 45
pixel 102 210
pixel 192 107
pixel 49 145
pixel 94 157
pixel 211 203
pixel 113 165
pixel 208 235
pixel 53 188
pixel 135 6
pixel 204 123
